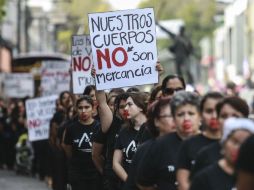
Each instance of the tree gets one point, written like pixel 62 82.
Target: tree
pixel 198 15
pixel 2 11
pixel 76 12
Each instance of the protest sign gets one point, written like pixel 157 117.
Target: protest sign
pixel 55 77
pixel 124 48
pixel 81 54
pixel 18 85
pixel 39 112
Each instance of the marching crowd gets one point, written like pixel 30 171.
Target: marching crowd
pixel 126 140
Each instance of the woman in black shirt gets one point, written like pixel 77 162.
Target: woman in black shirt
pixel 228 107
pixel 190 147
pixel 127 141
pixel 160 122
pixel 158 171
pixel 220 175
pixel 78 146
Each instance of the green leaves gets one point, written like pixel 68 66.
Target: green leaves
pixel 77 11
pixel 2 9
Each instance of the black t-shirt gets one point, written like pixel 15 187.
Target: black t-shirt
pixel 206 156
pixel 99 137
pixel 140 156
pixel 62 128
pixel 189 149
pixel 213 178
pixel 159 166
pixel 111 136
pixel 127 143
pixel 79 137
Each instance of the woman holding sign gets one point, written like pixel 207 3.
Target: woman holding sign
pixel 78 147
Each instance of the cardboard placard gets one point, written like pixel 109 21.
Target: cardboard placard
pixel 124 48
pixel 39 112
pixel 18 85
pixel 81 56
pixel 55 77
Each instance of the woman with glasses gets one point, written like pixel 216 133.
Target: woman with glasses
pixel 172 84
pixel 158 171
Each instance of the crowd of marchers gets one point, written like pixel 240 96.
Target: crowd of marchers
pixel 166 139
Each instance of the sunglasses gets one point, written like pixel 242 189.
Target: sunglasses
pixel 170 91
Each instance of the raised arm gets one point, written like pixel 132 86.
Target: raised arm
pixel 106 115
pixel 172 35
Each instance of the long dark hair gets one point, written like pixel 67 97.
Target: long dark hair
pixel 89 89
pixel 153 113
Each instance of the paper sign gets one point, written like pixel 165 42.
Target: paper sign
pixel 55 77
pixel 39 112
pixel 18 85
pixel 81 63
pixel 124 48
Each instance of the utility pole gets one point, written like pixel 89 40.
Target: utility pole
pixel 18 25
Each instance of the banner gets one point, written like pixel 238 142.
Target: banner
pixel 81 54
pixel 124 48
pixel 18 85
pixel 55 77
pixel 39 112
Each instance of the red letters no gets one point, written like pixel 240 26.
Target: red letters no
pixel 104 56
pixel 119 64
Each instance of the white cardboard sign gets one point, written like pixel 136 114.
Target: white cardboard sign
pixel 18 85
pixel 124 48
pixel 55 77
pixel 39 113
pixel 81 56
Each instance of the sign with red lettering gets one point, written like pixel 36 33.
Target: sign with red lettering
pixel 55 77
pixel 39 112
pixel 124 48
pixel 81 54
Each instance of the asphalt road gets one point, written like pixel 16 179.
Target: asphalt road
pixel 10 181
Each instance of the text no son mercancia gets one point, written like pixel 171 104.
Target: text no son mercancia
pixel 127 74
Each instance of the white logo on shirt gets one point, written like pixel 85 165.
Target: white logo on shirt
pixel 171 168
pixel 131 147
pixel 84 138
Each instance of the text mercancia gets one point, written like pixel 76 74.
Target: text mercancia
pixel 117 75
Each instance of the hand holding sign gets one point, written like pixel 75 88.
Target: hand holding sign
pixel 124 48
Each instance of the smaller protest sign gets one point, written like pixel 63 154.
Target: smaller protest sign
pixel 124 48
pixel 18 85
pixel 81 63
pixel 39 112
pixel 55 77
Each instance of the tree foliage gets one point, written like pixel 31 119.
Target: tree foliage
pixel 2 11
pixel 198 15
pixel 76 12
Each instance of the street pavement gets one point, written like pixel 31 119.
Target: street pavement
pixel 9 180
